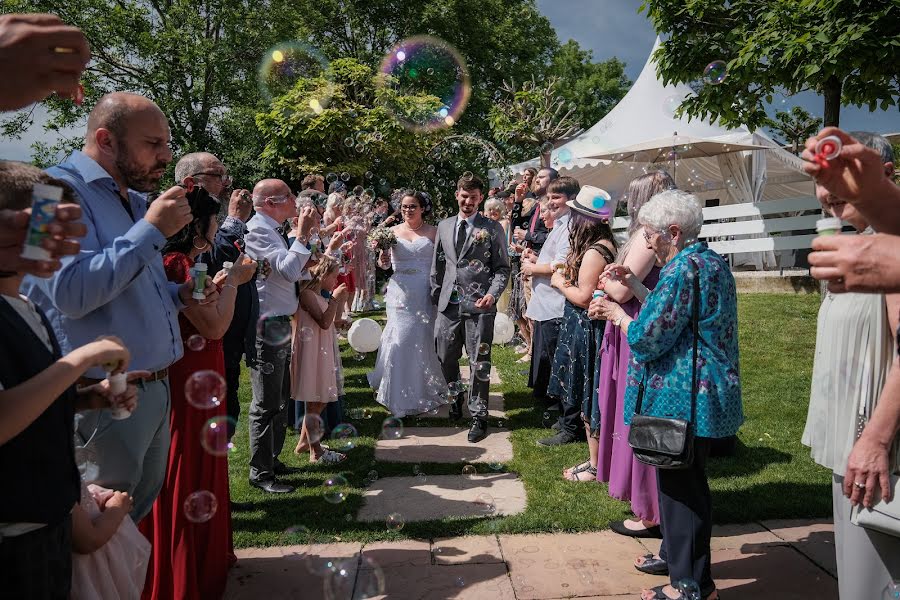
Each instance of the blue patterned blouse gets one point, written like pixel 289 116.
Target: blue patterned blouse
pixel 662 343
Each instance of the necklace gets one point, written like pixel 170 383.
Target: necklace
pixel 421 225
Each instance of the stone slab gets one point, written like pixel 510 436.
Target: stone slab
pixel 727 537
pixel 436 582
pixel 566 565
pixel 815 539
pixel 441 496
pixel 495 408
pixel 405 553
pixel 471 549
pixel 444 445
pixel 286 571
pixel 464 374
pixel 774 572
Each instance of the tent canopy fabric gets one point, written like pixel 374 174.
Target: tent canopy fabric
pixel 682 146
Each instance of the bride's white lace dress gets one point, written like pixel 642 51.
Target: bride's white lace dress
pixel 407 378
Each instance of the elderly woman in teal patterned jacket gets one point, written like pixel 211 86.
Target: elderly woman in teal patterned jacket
pixel 661 340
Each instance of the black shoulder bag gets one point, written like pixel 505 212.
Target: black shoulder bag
pixel 668 443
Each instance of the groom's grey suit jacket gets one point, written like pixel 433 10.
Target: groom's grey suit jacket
pixel 448 269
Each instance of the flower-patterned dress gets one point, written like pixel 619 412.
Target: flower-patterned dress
pixel 661 343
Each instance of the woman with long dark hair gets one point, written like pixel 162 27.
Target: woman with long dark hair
pixel 192 546
pixel 574 374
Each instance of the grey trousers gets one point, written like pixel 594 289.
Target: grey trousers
pixel 268 410
pixel 451 331
pixel 867 560
pixel 131 454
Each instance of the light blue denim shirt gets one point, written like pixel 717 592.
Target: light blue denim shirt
pixel 116 285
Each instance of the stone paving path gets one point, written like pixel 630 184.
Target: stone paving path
pixel 774 560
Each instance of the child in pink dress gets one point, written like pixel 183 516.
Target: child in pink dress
pixel 110 554
pixel 314 361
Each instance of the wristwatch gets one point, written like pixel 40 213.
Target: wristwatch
pixel 618 322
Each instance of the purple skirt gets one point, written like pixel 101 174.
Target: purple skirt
pixel 628 479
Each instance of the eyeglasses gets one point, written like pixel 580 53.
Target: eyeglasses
pixel 409 207
pixel 648 235
pixel 225 178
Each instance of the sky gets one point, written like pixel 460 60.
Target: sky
pixel 609 28
pixel 614 28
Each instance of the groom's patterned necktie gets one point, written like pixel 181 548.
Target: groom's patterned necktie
pixel 460 237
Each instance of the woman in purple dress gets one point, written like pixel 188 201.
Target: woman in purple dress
pixel 628 479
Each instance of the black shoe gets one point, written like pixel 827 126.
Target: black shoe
pixel 478 431
pixel 556 427
pixel 242 506
pixel 283 469
pixel 455 412
pixel 557 440
pixel 273 487
pixel 650 532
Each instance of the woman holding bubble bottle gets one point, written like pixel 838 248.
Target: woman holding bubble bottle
pixel 855 356
pixel 190 523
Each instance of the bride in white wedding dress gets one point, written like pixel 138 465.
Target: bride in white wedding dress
pixel 407 378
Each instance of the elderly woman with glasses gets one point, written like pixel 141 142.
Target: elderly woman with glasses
pixel 661 339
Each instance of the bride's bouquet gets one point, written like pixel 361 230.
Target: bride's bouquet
pixel 382 238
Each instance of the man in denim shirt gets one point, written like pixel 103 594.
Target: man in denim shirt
pixel 117 285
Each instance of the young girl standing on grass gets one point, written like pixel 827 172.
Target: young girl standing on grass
pixel 314 361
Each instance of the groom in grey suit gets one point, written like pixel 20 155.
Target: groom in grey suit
pixel 469 271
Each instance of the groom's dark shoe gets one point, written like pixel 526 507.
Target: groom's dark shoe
pixel 478 431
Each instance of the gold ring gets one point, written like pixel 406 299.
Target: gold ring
pixel 859 485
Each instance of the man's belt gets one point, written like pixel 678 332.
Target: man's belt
pixel 157 376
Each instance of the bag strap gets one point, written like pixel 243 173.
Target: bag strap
pixel 695 330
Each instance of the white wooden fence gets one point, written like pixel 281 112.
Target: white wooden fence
pixel 735 228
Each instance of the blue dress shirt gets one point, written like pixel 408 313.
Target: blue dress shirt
pixel 116 285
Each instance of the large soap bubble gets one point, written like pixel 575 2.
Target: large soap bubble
pixel 426 66
pixel 287 63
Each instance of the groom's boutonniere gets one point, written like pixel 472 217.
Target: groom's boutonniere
pixel 480 236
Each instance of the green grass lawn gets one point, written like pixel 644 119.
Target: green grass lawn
pixel 771 475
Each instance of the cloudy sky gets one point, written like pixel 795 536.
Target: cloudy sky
pixel 609 28
pixel 614 28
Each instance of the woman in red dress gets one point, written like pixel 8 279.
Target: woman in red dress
pixel 192 554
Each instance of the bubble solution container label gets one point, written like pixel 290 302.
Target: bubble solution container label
pixel 598 294
pixel 44 199
pixel 118 383
pixel 828 226
pixel 199 274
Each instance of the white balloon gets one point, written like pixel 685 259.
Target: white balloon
pixel 364 336
pixel 504 329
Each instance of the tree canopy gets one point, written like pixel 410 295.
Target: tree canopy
pixel 846 50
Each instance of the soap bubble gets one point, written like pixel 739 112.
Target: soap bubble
pixel 476 266
pixel 214 436
pixel 287 63
pixel 315 427
pixel 200 506
pixel 671 103
pixel 715 72
pixel 395 522
pixel 392 429
pixel 435 71
pixel 485 503
pixel 89 471
pixel 298 538
pixel 331 177
pixel 272 330
pixel 891 591
pixel 373 475
pixel 347 580
pixel 305 334
pixel 484 348
pixel 564 155
pixel 266 368
pixel 689 589
pixel 469 470
pixel 333 493
pixel 546 147
pixel 345 177
pixel 205 389
pixel 421 478
pixel 483 370
pixel 344 437
pixel 196 343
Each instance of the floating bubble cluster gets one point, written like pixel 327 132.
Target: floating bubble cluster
pixel 334 492
pixel 287 63
pixel 205 389
pixel 433 70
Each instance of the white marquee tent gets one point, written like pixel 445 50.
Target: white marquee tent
pixel 646 113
